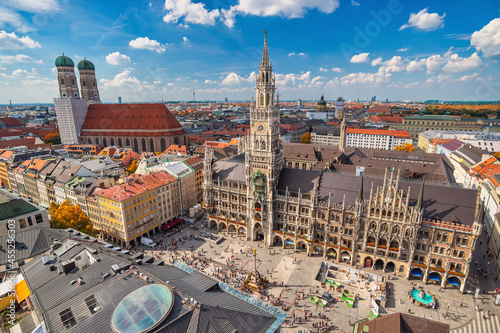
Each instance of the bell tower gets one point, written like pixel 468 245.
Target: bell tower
pixel 88 82
pixel 68 87
pixel 264 158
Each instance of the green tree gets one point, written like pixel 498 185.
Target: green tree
pixel 67 215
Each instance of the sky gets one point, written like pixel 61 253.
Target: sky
pixel 152 50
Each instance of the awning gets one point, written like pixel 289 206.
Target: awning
pixel 416 272
pixel 22 291
pixel 289 242
pixel 171 224
pixel 346 256
pixel 453 281
pixel 434 276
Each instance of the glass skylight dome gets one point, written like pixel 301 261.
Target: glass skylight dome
pixel 143 309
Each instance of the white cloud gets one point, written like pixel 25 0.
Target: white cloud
pixel 337 69
pixel 209 81
pixel 395 64
pixel 412 85
pixel 487 39
pixel 424 20
pixel 8 17
pixel 415 66
pixel 403 49
pixel 185 26
pixel 469 77
pixel 10 41
pixel 123 80
pixel 365 78
pixel 191 12
pixel 185 40
pixel 354 3
pixel 321 69
pixel 286 79
pixel 301 54
pixel 458 64
pixel 377 61
pixel 233 79
pixel 434 63
pixel 148 44
pixel 116 58
pixel 23 72
pixel 196 12
pixel 285 8
pixel 360 58
pixel 441 78
pixel 9 59
pixel 35 6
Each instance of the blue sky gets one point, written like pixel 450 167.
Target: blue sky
pixel 149 50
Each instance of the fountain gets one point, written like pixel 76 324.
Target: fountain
pixel 422 297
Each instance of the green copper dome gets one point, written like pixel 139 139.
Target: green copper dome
pixel 322 101
pixel 64 61
pixel 85 64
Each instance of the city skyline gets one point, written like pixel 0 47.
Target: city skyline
pixel 149 51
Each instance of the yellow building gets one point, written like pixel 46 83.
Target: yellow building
pixel 131 210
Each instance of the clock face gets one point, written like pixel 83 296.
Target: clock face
pixel 260 128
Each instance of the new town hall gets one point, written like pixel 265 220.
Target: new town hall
pixel 394 210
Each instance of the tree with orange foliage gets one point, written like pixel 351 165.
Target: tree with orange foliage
pixel 497 154
pixel 132 167
pixel 305 138
pixel 67 215
pixel 52 138
pixel 405 147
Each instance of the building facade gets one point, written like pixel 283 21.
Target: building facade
pixel 389 223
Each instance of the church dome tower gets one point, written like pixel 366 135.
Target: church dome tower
pixel 321 104
pixel 88 82
pixel 66 77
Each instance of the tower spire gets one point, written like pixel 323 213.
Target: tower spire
pixel 420 200
pixel 265 53
pixel 360 194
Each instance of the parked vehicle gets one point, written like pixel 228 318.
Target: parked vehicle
pixel 148 242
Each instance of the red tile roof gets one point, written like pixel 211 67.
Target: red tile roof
pixel 151 119
pixel 11 122
pixel 136 185
pixel 173 149
pixel 394 133
pixel 31 143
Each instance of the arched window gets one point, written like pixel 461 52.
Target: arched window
pixel 176 140
pixel 258 205
pixel 465 241
pixel 439 236
pixel 373 226
pixel 90 141
pixel 384 227
pixel 96 141
pixel 395 230
pixel 127 142
pixel 151 145
pixel 120 143
pixel 267 99
pixel 261 98
pixel 163 145
pixel 104 142
pixel 144 148
pixel 445 237
pixel 408 233
pixel 112 141
pixel 84 83
pixel 136 146
pixel 458 240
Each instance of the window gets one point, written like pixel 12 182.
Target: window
pixel 67 318
pixel 92 303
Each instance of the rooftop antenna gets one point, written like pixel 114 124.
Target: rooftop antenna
pixel 194 98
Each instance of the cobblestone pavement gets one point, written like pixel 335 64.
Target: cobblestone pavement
pixel 298 272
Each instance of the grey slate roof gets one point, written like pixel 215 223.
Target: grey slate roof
pixel 30 243
pixel 229 171
pixel 447 203
pixel 293 179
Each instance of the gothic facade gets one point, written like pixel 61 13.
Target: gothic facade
pixel 418 230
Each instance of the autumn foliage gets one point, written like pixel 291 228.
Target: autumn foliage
pixel 405 147
pixel 52 138
pixel 305 138
pixel 133 166
pixel 67 215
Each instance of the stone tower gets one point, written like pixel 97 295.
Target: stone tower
pixel 343 136
pixel 263 158
pixel 88 82
pixel 68 87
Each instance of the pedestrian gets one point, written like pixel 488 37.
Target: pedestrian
pixel 349 322
pixel 476 308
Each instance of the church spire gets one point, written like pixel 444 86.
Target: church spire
pixel 420 200
pixel 265 53
pixel 360 194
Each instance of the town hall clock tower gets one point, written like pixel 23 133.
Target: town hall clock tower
pixel 264 157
